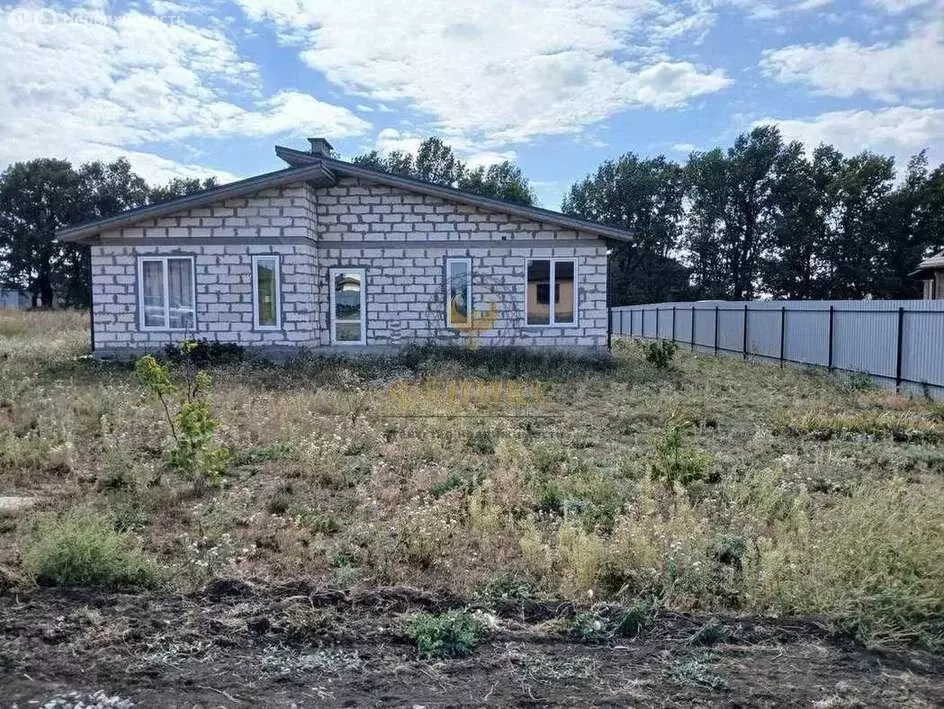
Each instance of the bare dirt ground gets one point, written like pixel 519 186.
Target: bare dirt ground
pixel 237 645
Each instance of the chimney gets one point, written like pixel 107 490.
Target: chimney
pixel 320 147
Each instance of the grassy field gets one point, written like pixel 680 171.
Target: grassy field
pixel 713 486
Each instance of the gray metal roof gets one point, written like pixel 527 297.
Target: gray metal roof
pixel 300 157
pixel 317 175
pixel 931 263
pixel 323 172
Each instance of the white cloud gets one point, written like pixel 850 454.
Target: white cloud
pixel 899 130
pixel 846 68
pixel 767 9
pixel 898 6
pixel 84 85
pixel 391 139
pixel 684 147
pixel 508 71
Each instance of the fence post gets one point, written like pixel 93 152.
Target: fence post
pixel 630 323
pixel 609 328
pixel 744 343
pixel 783 332
pixel 693 328
pixel 901 331
pixel 658 312
pixel 829 349
pixel 642 324
pixel 716 329
pixel 673 323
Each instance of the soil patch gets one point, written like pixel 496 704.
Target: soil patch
pixel 238 644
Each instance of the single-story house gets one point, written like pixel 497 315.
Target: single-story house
pixel 14 298
pixel 931 270
pixel 327 254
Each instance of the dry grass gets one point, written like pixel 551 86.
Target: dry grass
pixel 414 470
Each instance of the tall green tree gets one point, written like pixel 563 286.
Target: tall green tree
pixel 706 191
pixel 751 176
pixel 39 197
pixel 801 203
pixel 180 187
pixel 502 180
pixel 644 197
pixel 860 191
pixel 436 162
pixel 36 199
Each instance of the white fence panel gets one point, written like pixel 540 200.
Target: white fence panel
pixel 900 342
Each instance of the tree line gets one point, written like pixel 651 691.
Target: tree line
pixel 39 197
pixel 436 162
pixel 765 218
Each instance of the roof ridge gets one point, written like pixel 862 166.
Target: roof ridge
pixel 293 156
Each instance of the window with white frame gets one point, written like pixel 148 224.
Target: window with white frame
pixel 348 319
pixel 547 278
pixel 166 293
pixel 266 292
pixel 459 292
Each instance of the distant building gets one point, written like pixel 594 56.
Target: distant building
pixel 13 298
pixel 932 271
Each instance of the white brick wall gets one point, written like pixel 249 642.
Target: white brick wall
pixel 406 296
pixel 223 294
pixel 402 239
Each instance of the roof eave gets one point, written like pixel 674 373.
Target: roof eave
pixel 298 158
pixel 313 172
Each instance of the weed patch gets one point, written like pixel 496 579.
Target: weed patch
pixel 676 464
pixel 446 635
pixel 85 551
pixel 697 672
pixel 902 427
pixel 660 353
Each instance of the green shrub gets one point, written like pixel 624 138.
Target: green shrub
pixel 86 551
pixel 587 626
pixel 676 464
pixel 481 441
pixel 635 618
pixel 697 673
pixel 194 455
pixel 454 482
pixel 728 549
pixel 446 635
pixel 713 631
pixel 860 381
pixel 660 353
pixel 508 585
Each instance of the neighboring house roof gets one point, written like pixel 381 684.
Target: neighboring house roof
pixel 322 171
pixel 930 264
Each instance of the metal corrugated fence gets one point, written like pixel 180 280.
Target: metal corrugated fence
pixel 899 342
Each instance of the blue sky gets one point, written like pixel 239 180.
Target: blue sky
pixel 558 85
